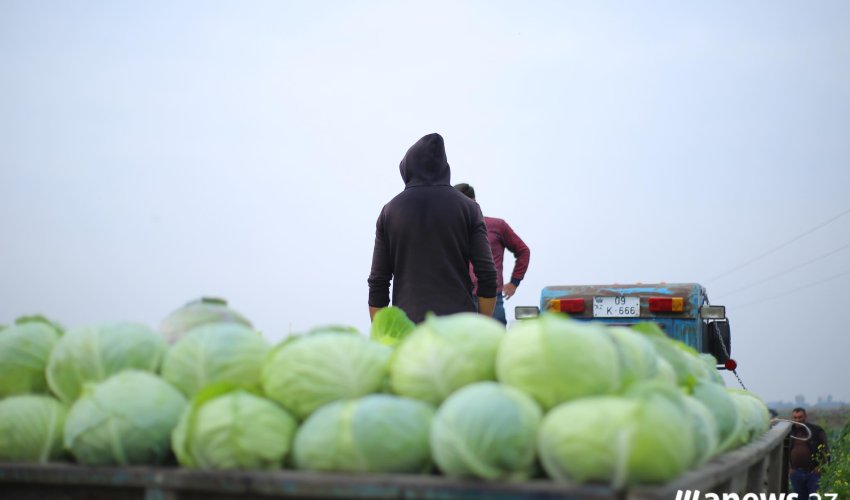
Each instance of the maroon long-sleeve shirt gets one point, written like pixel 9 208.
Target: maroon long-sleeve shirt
pixel 502 236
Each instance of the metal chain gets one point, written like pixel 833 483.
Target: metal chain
pixel 723 345
pixel 726 353
pixel 739 379
pixel 725 350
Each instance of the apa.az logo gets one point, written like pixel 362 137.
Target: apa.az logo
pixel 697 495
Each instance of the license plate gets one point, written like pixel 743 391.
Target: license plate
pixel 616 307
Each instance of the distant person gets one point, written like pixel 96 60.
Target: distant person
pixel 807 455
pixel 425 239
pixel 501 236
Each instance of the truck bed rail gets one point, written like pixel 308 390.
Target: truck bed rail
pixel 756 467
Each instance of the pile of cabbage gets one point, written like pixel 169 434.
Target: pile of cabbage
pixel 455 395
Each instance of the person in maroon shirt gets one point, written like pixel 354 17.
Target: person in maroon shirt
pixel 501 236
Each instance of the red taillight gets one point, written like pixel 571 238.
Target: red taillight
pixel 573 306
pixel 731 364
pixel 666 304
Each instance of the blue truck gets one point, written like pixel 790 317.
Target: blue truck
pixel 682 310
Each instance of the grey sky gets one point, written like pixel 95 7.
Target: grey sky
pixel 154 152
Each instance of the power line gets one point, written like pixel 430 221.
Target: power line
pixel 789 292
pixel 745 287
pixel 783 245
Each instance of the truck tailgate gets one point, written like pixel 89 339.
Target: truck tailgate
pixel 756 467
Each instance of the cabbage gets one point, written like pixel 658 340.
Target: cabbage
pixel 486 430
pixel 443 354
pixel 31 428
pixel 199 312
pixel 304 373
pixel 644 437
pixel 665 372
pixel 703 428
pixel 376 433
pixel 589 439
pixel 216 352
pixel 332 328
pixel 38 318
pixel 711 367
pixel 721 405
pixel 556 359
pixel 755 417
pixel 24 351
pixel 687 365
pixel 93 353
pixel 126 419
pixel 638 359
pixel 230 428
pixel 391 325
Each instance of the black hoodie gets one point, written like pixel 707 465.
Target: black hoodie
pixel 425 239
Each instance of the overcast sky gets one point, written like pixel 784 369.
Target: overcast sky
pixel 154 152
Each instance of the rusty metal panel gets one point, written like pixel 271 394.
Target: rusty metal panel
pixel 76 482
pixel 729 472
pixel 685 326
pixel 691 291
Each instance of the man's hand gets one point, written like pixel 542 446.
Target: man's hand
pixel 486 306
pixel 509 290
pixel 373 311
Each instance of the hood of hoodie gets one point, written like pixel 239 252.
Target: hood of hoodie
pixel 425 163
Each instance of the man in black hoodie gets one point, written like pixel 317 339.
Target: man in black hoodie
pixel 425 239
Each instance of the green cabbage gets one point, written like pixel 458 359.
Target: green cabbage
pixel 304 373
pixel 665 372
pixel 376 433
pixel 443 354
pixel 556 359
pixel 24 351
pixel 230 428
pixel 92 354
pixel 31 428
pixel 216 352
pixel 643 437
pixel 589 439
pixel 703 429
pixel 199 312
pixel 638 359
pixel 331 329
pixel 39 318
pixel 686 363
pixel 755 417
pixel 126 419
pixel 486 430
pixel 711 367
pixel 721 405
pixel 391 325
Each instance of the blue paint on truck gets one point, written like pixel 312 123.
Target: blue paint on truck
pixel 697 323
